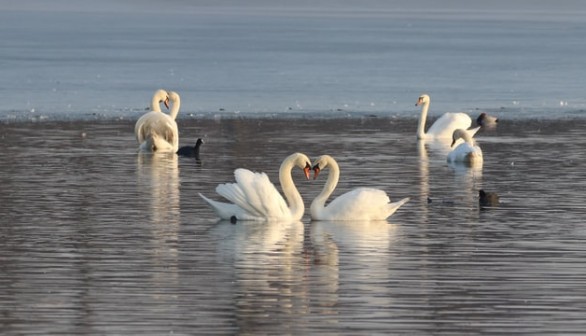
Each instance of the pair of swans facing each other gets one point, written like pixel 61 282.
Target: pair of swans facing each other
pixel 254 197
pixel 156 131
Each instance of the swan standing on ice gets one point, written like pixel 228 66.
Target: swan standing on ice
pixel 157 131
pixel 443 127
pixel 254 197
pixel 467 152
pixel 361 204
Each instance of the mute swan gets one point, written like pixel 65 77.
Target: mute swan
pixel 155 143
pixel 445 125
pixel 254 197
pixel 363 204
pixel 467 152
pixel 159 123
pixel 485 120
pixel 189 151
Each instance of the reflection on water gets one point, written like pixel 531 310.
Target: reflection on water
pixel 98 240
pixel 158 182
pixel 268 272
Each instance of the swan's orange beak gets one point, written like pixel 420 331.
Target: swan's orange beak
pixel 306 170
pixel 166 102
pixel 418 102
pixel 316 171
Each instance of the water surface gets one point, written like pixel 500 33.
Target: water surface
pixel 97 239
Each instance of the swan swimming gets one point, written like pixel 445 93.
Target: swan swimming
pixel 467 152
pixel 159 123
pixel 360 204
pixel 254 197
pixel 444 126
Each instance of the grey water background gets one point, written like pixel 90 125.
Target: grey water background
pixel 97 239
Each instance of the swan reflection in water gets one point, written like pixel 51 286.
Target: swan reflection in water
pixel 158 181
pixel 269 269
pixel 355 251
pixel 467 176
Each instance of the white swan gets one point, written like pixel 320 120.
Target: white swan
pixel 443 127
pixel 363 204
pixel 467 152
pixel 160 124
pixel 155 143
pixel 254 197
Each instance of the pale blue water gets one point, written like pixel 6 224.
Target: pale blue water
pixel 378 60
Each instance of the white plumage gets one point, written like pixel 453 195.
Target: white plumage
pixel 157 131
pixel 361 204
pixel 444 127
pixel 254 197
pixel 467 152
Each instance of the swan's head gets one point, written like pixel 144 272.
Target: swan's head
pixel 173 96
pixel 299 160
pixel 459 133
pixel 320 164
pixel 423 99
pixel 198 143
pixel 161 96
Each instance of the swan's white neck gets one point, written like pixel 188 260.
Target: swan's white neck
pixel 422 118
pixel 176 105
pixel 155 103
pixel 296 206
pixel 319 202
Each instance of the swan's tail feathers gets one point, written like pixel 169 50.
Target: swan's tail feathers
pixel 222 210
pixel 392 207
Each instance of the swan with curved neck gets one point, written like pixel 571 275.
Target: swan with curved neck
pixel 159 123
pixel 254 197
pixel 467 152
pixel 443 127
pixel 359 204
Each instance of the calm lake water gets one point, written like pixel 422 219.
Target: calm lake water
pixel 97 239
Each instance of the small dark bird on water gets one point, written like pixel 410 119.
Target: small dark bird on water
pixel 189 151
pixel 487 199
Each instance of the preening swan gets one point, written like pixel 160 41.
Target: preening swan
pixel 155 143
pixel 467 152
pixel 444 126
pixel 254 197
pixel 361 204
pixel 159 123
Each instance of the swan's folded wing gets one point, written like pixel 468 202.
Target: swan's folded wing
pixel 233 193
pixel 360 203
pixel 261 194
pixel 445 126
